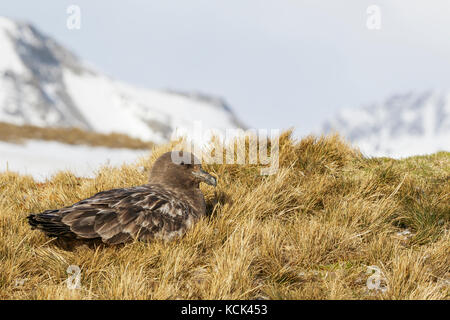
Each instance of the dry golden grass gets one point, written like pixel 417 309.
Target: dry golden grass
pixel 18 134
pixel 308 232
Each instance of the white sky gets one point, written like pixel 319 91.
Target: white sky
pixel 279 63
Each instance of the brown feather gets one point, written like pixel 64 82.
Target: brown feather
pixel 163 209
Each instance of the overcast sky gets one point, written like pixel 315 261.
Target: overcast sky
pixel 279 63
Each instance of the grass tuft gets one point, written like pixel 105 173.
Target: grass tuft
pixel 310 231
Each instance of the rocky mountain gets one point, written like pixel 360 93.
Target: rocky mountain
pixel 403 125
pixel 44 84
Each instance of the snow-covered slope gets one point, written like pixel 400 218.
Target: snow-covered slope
pixel 42 159
pixel 403 125
pixel 44 84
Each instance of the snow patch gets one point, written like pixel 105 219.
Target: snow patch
pixel 42 159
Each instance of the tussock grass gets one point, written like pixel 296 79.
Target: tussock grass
pixel 310 231
pixel 75 136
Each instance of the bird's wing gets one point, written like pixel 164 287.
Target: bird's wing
pixel 121 215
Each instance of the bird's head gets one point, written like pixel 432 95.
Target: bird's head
pixel 179 168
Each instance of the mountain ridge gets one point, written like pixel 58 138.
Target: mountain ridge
pixel 45 84
pixel 407 124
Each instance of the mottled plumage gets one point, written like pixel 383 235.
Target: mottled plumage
pixel 163 209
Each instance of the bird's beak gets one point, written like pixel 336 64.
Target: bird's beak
pixel 205 177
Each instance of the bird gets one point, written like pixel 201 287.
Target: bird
pixel 164 208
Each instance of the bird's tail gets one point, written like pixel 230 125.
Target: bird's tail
pixel 49 222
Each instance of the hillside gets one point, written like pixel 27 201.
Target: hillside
pixel 44 84
pixel 310 231
pixel 71 136
pixel 403 125
pixel 42 152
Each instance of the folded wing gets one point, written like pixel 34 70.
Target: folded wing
pixel 121 215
